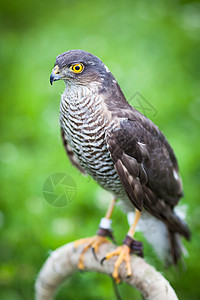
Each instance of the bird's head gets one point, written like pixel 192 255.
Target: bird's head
pixel 79 67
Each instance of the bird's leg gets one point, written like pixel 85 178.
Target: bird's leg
pixel 95 241
pixel 105 223
pixel 123 252
pixel 131 231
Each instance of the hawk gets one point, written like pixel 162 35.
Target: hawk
pixel 125 152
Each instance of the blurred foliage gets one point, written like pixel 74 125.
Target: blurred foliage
pixel 151 47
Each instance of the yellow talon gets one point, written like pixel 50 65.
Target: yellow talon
pixel 93 242
pixel 123 253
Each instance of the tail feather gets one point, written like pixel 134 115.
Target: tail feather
pixel 177 225
pixel 176 246
pixel 170 217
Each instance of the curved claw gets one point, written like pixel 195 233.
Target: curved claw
pixel 123 253
pixel 94 253
pixel 93 242
pixel 102 260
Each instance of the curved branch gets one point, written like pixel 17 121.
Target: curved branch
pixel 64 260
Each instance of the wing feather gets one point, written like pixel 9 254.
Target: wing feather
pixel 146 171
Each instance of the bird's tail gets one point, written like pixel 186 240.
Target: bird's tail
pixel 175 227
pixel 176 247
pixel 177 224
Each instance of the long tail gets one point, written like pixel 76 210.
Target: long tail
pixel 176 247
pixel 177 228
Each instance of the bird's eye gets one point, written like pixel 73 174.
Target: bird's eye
pixel 77 68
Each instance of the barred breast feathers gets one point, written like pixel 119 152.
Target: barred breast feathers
pixel 84 119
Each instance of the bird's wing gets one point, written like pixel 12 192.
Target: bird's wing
pixel 70 153
pixel 145 163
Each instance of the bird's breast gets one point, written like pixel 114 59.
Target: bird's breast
pixel 85 126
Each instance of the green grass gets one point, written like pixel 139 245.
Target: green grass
pixel 149 47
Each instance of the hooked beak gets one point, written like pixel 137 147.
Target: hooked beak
pixel 55 75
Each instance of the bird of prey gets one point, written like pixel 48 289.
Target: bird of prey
pixel 126 153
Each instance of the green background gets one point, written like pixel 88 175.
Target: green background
pixel 151 47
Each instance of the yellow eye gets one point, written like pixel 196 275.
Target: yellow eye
pixel 77 68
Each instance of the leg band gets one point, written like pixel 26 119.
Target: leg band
pixel 135 246
pixel 105 228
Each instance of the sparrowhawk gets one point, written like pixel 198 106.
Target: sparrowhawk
pixel 126 153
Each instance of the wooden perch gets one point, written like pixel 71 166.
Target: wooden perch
pixel 63 262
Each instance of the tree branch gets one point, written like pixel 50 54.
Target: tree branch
pixel 63 262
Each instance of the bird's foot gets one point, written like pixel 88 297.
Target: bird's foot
pixel 92 242
pixel 124 254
